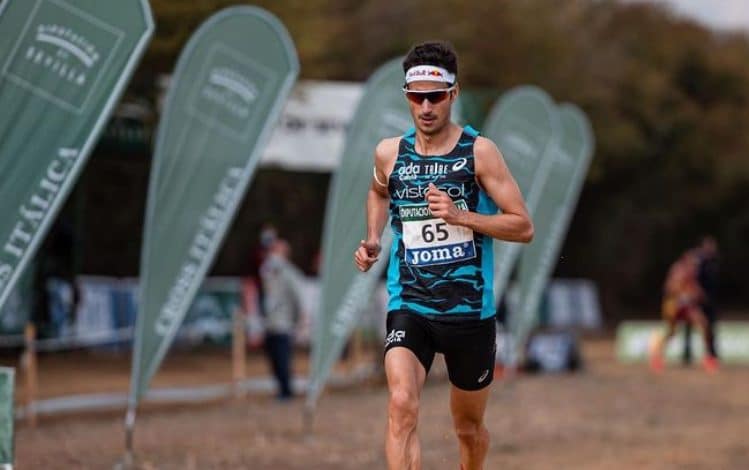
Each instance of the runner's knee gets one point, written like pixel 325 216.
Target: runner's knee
pixel 470 431
pixel 404 409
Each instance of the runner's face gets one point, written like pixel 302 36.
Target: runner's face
pixel 430 117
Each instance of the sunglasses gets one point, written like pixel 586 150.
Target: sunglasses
pixel 434 96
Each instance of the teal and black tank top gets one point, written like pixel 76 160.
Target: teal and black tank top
pixel 438 269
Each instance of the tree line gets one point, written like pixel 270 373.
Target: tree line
pixel 668 99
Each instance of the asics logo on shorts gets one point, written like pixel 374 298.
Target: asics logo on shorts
pixel 484 376
pixel 395 336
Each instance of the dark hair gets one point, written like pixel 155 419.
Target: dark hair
pixel 439 53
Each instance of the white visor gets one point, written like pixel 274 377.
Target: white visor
pixel 429 73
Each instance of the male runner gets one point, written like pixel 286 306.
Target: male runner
pixel 443 184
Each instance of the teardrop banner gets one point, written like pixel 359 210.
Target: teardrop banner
pixel 572 158
pixel 382 112
pixel 63 66
pixel 227 92
pixel 523 123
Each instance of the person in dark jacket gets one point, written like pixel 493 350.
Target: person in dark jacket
pixel 281 307
pixel 707 277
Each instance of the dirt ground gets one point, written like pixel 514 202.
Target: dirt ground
pixel 610 416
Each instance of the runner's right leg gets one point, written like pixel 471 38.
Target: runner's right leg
pixel 405 376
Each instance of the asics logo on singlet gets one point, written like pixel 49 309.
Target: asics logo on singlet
pixel 419 192
pixel 395 336
pixel 457 166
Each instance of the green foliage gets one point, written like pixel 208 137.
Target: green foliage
pixel 669 102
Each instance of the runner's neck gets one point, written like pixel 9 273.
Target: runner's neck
pixel 438 144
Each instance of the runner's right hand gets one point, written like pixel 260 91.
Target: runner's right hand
pixel 367 254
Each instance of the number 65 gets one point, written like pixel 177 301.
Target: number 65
pixel 439 232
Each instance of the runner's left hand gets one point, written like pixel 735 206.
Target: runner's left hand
pixel 442 206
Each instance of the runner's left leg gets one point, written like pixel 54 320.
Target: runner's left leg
pixel 467 409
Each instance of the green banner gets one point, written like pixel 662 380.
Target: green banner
pixel 523 124
pixel 63 66
pixel 571 159
pixel 7 415
pixel 231 81
pixel 382 112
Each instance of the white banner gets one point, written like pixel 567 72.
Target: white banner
pixel 312 128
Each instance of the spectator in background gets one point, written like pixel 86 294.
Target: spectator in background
pixel 707 277
pixel 682 301
pixel 281 310
pixel 268 235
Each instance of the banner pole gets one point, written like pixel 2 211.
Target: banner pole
pixel 239 366
pixel 309 418
pixel 128 458
pixel 31 373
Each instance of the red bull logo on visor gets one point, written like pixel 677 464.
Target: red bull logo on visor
pixel 429 73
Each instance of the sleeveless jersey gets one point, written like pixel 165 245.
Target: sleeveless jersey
pixel 436 268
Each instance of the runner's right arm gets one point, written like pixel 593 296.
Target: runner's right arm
pixel 378 199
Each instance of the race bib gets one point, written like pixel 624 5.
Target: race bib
pixel 430 240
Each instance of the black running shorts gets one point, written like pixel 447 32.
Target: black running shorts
pixel 468 344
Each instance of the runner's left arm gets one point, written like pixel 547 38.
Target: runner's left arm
pixel 513 222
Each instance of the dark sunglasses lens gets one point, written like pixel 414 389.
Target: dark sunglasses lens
pixel 416 98
pixel 434 97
